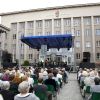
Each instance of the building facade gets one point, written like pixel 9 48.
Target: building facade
pixel 4 40
pixel 83 21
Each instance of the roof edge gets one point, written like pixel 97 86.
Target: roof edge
pixel 51 8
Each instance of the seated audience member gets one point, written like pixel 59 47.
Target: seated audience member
pixel 42 88
pixel 88 81
pixel 45 75
pixel 56 79
pixel 17 78
pixel 96 87
pixel 24 92
pixel 29 79
pixel 51 81
pixel 6 76
pixel 13 86
pixel 59 76
pixel 5 92
pixel 65 76
pixel 83 76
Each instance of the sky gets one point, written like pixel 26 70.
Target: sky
pixel 18 5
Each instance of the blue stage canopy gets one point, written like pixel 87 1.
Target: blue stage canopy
pixel 52 41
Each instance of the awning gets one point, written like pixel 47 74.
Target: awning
pixel 52 41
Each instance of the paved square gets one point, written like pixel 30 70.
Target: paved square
pixel 71 90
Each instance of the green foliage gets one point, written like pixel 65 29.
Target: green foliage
pixel 26 63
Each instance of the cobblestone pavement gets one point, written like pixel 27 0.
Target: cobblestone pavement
pixel 71 90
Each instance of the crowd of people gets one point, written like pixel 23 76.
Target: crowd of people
pixel 89 81
pixel 25 83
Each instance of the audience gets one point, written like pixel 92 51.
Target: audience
pixel 24 92
pixel 42 88
pixel 5 92
pixel 96 87
pixel 91 78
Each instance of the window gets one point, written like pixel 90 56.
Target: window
pixel 87 20
pixel 22 46
pixel 30 56
pixel 97 20
pixel 48 23
pixel 14 36
pixel 57 23
pixel 88 44
pixel 97 31
pixel 30 25
pixel 30 33
pixel 77 32
pixel 22 56
pixel 98 43
pixel 67 22
pixel 77 21
pixel 48 33
pixel 39 24
pixel 77 55
pixel 14 26
pixel 98 56
pixel 57 32
pixel 67 32
pixel 14 46
pixel 87 32
pixel 22 26
pixel 77 44
pixel 39 33
pixel 22 35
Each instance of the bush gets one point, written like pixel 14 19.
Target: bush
pixel 26 63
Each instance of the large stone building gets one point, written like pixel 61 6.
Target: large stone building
pixel 82 20
pixel 4 40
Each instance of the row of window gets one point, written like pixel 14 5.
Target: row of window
pixel 87 32
pixel 78 56
pixel 57 23
pixel 30 56
pixel 87 44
